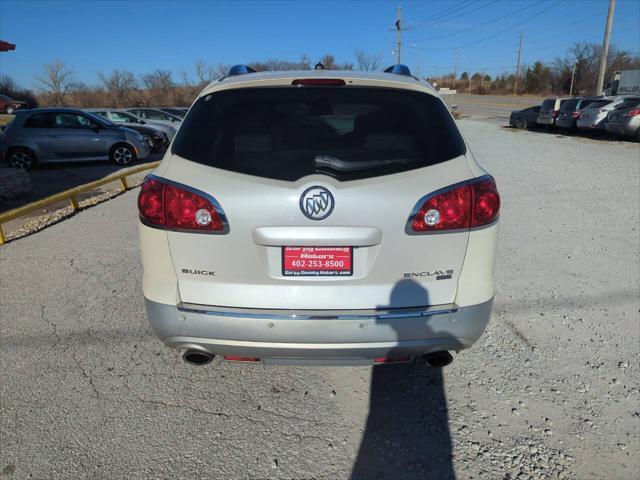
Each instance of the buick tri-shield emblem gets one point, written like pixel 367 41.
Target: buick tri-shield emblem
pixel 316 203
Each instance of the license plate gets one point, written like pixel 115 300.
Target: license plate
pixel 317 261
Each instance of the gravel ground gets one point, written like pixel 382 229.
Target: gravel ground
pixel 550 391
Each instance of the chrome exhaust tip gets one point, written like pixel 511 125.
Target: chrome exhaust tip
pixel 197 357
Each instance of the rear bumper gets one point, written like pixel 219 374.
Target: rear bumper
pixel 353 336
pixel 566 123
pixel 621 128
pixel 546 121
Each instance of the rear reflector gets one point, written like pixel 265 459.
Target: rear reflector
pixel 463 206
pixel 391 360
pixel 235 358
pixel 168 205
pixel 319 82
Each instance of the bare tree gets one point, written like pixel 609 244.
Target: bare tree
pixel 367 62
pixel 204 72
pixel 57 81
pixel 119 86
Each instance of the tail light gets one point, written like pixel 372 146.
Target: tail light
pixel 575 114
pixel 169 205
pixel 633 113
pixel 468 205
pixel 555 113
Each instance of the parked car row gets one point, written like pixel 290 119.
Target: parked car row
pixel 618 114
pixel 54 135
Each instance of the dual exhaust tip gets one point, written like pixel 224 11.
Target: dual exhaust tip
pixel 433 360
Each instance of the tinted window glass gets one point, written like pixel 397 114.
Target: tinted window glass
pixel 73 121
pixel 586 103
pixel 120 117
pixel 599 103
pixel 569 104
pixel 40 120
pixel 549 104
pixel 629 103
pixel 345 132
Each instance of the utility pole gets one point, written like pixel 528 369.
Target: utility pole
pixel 455 64
pixel 573 76
pixel 398 31
pixel 515 82
pixel 605 47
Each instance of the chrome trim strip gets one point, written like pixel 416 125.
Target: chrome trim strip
pixel 388 314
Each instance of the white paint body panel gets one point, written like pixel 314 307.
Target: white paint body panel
pixel 369 214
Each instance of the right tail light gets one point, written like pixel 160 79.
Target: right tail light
pixel 633 113
pixel 172 206
pixel 462 206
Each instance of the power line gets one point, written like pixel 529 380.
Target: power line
pixel 441 14
pixel 481 24
pixel 447 19
pixel 493 35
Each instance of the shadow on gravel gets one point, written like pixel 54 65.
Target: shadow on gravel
pixel 407 432
pixel 50 179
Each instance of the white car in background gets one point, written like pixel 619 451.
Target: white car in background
pixel 157 116
pixel 124 118
pixel 322 217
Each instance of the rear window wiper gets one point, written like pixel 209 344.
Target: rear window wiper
pixel 334 163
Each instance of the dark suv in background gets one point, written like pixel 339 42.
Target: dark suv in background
pixel 9 106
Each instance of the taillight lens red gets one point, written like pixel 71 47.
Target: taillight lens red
pixel 446 211
pixel 470 205
pixel 575 114
pixel 151 201
pixel 555 113
pixel 633 113
pixel 164 204
pixel 486 202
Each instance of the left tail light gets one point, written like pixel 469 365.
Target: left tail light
pixel 575 114
pixel 173 206
pixel 462 206
pixel 633 113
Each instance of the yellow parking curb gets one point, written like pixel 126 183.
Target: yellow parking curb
pixel 72 194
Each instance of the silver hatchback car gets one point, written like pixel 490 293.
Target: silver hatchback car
pixel 323 217
pixel 53 135
pixel 594 116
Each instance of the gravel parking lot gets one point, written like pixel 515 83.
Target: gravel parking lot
pixel 550 391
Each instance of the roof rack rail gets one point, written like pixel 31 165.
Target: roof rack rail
pixel 240 70
pixel 399 69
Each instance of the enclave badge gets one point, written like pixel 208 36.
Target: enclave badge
pixel 316 202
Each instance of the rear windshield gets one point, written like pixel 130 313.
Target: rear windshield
pixel 629 103
pixel 599 103
pixel 569 104
pixel 349 133
pixel 548 104
pixel 585 103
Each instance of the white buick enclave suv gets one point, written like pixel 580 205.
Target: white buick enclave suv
pixel 328 217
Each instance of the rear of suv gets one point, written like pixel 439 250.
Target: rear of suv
pixel 318 217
